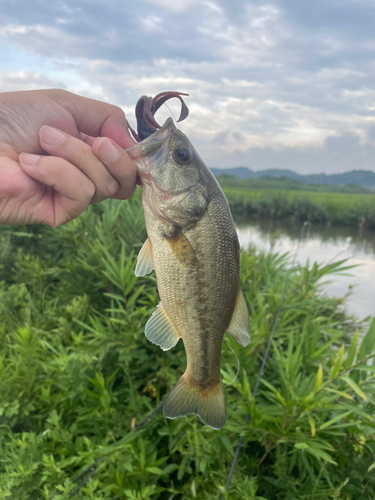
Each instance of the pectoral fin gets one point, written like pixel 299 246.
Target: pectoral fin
pixel 182 249
pixel 144 261
pixel 160 331
pixel 239 327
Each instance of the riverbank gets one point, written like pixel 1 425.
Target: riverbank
pixel 77 372
pixel 322 207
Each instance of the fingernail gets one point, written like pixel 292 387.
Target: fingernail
pixel 29 159
pixel 51 136
pixel 107 152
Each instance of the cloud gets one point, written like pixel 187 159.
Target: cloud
pixel 152 24
pixel 338 154
pixel 26 80
pixel 268 81
pixel 173 5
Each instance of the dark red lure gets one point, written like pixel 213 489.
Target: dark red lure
pixel 145 113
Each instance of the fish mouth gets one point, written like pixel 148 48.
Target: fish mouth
pixel 147 152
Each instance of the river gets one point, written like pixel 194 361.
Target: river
pixel 324 244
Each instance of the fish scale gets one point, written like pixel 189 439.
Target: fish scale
pixel 193 247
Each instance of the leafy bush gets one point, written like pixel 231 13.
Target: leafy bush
pixel 76 370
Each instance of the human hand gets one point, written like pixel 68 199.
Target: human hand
pixel 85 161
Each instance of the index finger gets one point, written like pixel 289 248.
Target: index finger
pixel 98 119
pixel 119 164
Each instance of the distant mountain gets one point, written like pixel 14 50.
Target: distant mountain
pixel 364 178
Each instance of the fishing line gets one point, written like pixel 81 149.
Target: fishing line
pixel 238 364
pixel 171 112
pixel 260 375
pixel 91 470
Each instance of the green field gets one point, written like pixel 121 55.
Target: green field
pixel 76 370
pixel 315 206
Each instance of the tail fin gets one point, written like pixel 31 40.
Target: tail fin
pixel 186 398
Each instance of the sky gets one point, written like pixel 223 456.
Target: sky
pixel 282 84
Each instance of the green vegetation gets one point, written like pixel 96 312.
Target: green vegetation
pixel 364 178
pixel 76 368
pixel 287 199
pixel 284 183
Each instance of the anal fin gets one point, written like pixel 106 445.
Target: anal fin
pixel 145 263
pixel 160 331
pixel 239 326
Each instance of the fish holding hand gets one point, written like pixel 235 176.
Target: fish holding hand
pixel 193 247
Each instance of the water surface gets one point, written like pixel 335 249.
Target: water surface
pixel 324 244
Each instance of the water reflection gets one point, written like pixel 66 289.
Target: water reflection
pixel 324 244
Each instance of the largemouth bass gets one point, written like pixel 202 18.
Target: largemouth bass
pixel 193 247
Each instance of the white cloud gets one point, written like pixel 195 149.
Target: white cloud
pixel 268 77
pixel 152 24
pixel 175 5
pixel 261 17
pixel 26 80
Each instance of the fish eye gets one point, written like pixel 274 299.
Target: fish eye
pixel 181 155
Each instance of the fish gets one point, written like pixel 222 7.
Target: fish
pixel 193 247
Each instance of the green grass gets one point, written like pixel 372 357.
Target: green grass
pixel 348 209
pixel 284 183
pixel 76 369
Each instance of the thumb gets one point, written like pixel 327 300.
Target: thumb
pixel 99 119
